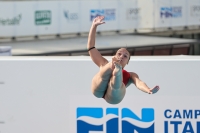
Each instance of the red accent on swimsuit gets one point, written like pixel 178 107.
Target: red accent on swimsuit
pixel 126 76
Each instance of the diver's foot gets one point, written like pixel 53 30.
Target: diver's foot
pixel 117 70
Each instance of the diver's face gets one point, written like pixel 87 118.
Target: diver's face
pixel 123 56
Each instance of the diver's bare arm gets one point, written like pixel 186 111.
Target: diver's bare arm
pixel 139 83
pixel 91 37
pixel 94 53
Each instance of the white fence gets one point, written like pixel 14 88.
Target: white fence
pixel 31 18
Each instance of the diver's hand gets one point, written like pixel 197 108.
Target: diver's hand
pixel 154 90
pixel 117 67
pixel 114 61
pixel 98 21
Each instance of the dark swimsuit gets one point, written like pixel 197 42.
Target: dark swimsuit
pixel 126 77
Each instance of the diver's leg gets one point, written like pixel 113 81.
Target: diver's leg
pixel 101 80
pixel 116 89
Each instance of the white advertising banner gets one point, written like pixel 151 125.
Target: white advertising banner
pixel 27 23
pixel 193 12
pixel 110 10
pixel 8 19
pixel 129 14
pixel 92 9
pixel 147 14
pixel 70 21
pixel 179 13
pixel 171 13
pixel 48 95
pixel 29 18
pixel 88 13
pixel 136 14
pixel 47 17
pixel 161 14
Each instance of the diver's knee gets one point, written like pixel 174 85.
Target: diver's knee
pixel 112 101
pixel 98 94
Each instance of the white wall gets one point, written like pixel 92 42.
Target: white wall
pixel 43 94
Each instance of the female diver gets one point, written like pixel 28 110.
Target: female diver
pixel 112 80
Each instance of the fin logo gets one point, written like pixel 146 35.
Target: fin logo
pixel 171 12
pixel 95 119
pixel 109 14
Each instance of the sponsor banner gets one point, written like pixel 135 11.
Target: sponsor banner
pixel 109 14
pixel 27 24
pixel 109 9
pixel 163 13
pixel 70 21
pixel 85 8
pixel 8 19
pixel 193 12
pixel 135 14
pixel 95 8
pixel 179 16
pixel 129 14
pixel 43 17
pixel 146 10
pixel 61 17
pixel 46 18
pixel 170 13
pixel 150 115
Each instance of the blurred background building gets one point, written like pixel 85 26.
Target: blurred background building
pixel 60 27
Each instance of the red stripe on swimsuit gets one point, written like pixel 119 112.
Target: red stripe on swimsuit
pixel 126 76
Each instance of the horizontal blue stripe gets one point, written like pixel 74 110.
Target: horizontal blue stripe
pixel 91 112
